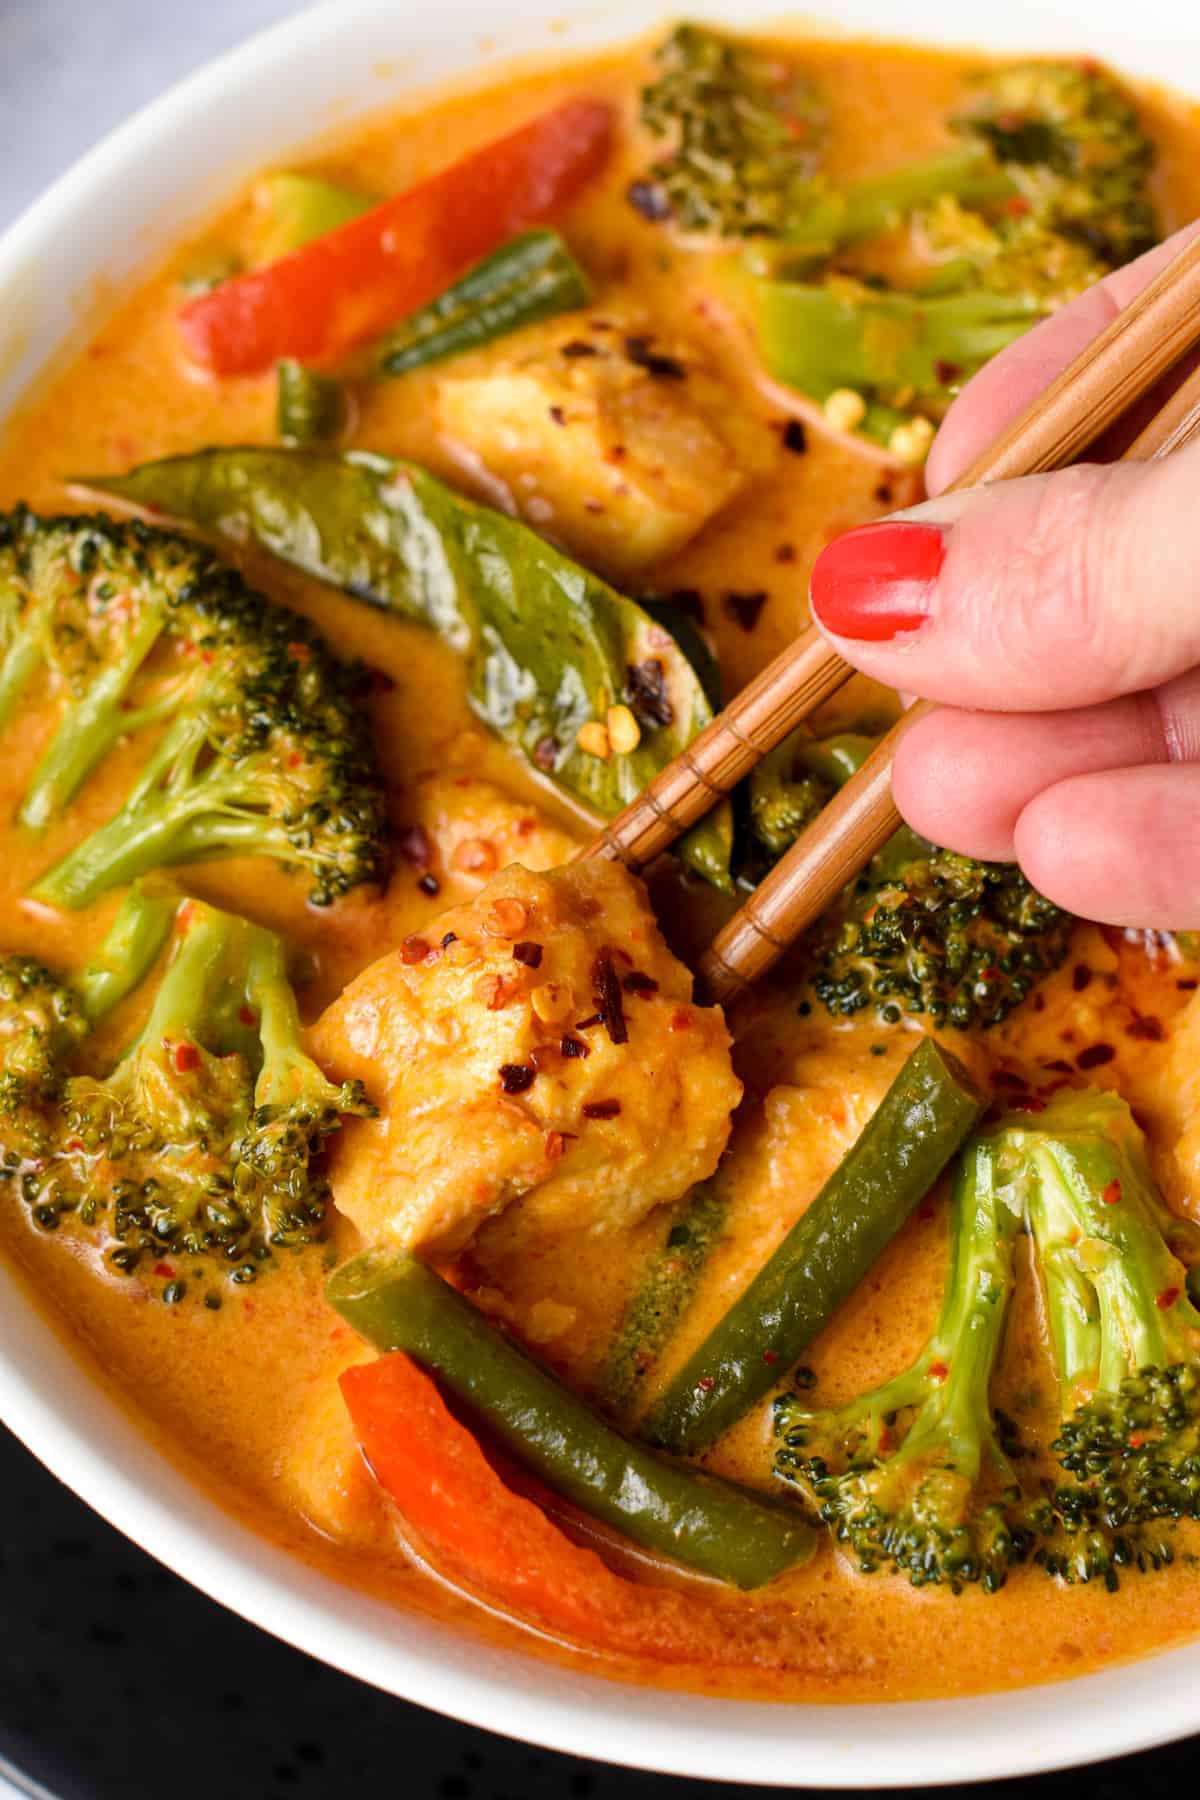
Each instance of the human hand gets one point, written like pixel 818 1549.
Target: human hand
pixel 1058 617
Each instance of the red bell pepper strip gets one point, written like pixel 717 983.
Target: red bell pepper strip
pixel 354 282
pixel 501 1546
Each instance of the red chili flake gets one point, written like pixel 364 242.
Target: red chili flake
pixel 528 953
pixel 545 753
pixel 706 1384
pixel 187 1058
pixel 639 984
pixel 1136 1440
pixel 1095 1056
pixel 516 1077
pixel 1017 207
pixel 586 1024
pixel 642 355
pixel 681 1019
pixel 1039 1002
pixel 1006 1078
pixel 380 681
pixel 883 494
pixel 926 1211
pixel 601 1109
pixel 795 438
pixel 771 1356
pixel 73 1144
pixel 786 553
pixel 1058 1066
pixel 1186 987
pixel 744 608
pixel 301 653
pixel 1112 1193
pixel 414 950
pixel 164 1269
pixel 578 347
pixel 606 992
pixel 947 372
pixel 451 937
pixel 1081 975
pixel 558 415
pixel 646 691
pixel 1028 1103
pixel 573 1046
pixel 415 846
pixel 429 884
pixel 247 1016
pixel 1166 1300
pixel 938 1371
pixel 1147 1028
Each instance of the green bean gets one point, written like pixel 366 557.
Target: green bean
pixel 308 406
pixel 922 1120
pixel 708 1524
pixel 530 278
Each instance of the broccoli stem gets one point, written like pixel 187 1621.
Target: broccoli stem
pixel 287 1072
pixel 91 728
pixel 841 334
pixel 1107 1268
pixel 135 842
pixel 21 662
pixel 972 175
pixel 129 951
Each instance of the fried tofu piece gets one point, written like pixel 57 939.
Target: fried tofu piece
pixel 539 1045
pixel 609 439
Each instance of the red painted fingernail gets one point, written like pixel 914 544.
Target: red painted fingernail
pixel 875 582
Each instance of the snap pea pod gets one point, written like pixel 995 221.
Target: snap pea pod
pixel 711 1525
pixel 549 646
pixel 922 1120
pixel 532 277
pixel 308 406
pixel 662 1295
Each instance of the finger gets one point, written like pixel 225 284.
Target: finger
pixel 964 778
pixel 1120 847
pixel 1006 385
pixel 1054 592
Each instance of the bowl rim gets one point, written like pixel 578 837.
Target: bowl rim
pixel 85 1436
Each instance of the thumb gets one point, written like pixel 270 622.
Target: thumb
pixel 1055 591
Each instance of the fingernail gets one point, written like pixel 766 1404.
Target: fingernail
pixel 876 582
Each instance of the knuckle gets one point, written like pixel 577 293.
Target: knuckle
pixel 1066 587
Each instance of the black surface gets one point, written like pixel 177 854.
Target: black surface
pixel 117 1679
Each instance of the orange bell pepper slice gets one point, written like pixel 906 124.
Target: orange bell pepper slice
pixel 500 1545
pixel 354 282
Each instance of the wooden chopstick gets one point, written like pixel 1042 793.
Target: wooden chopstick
pixel 1142 343
pixel 862 816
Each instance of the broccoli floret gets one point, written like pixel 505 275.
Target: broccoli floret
pixel 1071 141
pixel 257 743
pixel 914 1476
pixel 1125 1334
pixel 204 1139
pixel 791 784
pixel 928 932
pixel 743 126
pixel 1050 196
pixel 41 1022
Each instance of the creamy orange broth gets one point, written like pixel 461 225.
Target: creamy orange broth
pixel 245 1396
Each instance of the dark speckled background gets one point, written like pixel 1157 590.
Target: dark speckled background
pixel 117 1681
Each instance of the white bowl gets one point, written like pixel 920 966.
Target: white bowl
pixel 112 214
